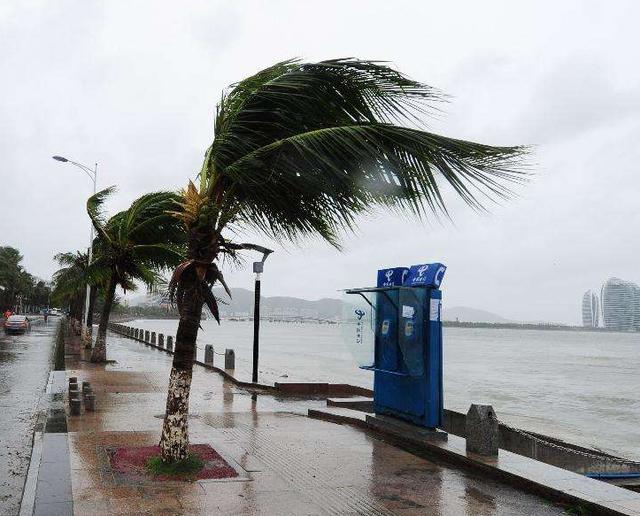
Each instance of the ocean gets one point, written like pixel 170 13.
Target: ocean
pixel 583 387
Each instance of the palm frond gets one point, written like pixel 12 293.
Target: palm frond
pixel 304 148
pixel 94 209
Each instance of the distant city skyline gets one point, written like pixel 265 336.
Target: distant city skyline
pixel 620 300
pixel 590 310
pixel 615 307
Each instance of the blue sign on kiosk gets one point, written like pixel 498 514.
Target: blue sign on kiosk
pixel 407 359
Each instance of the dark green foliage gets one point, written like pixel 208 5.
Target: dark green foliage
pixel 18 286
pixel 69 282
pixel 303 148
pixel 137 243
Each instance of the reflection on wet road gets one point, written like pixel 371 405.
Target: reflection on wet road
pixel 25 362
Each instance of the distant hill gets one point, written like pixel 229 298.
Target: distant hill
pixel 466 314
pixel 241 304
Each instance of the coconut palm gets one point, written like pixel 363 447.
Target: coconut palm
pixel 136 244
pixel 302 149
pixel 69 283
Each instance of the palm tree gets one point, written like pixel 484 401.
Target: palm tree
pixel 302 149
pixel 69 283
pixel 133 245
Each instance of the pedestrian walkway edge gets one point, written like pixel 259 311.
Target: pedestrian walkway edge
pixel 29 491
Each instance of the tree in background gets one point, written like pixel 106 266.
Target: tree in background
pixel 69 285
pixel 303 149
pixel 136 244
pixel 19 290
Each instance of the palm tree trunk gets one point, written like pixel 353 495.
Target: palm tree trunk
pixel 99 353
pixel 174 443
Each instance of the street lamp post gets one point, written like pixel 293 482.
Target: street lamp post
pixel 93 175
pixel 258 268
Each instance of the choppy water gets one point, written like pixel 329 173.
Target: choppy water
pixel 580 386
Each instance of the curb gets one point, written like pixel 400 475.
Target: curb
pixel 28 501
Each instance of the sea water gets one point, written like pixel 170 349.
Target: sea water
pixel 583 387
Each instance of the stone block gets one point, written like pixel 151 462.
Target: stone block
pixel 169 342
pixel 161 340
pixel 153 337
pixel 75 406
pixel 90 402
pixel 229 359
pixel 147 335
pixel 208 354
pixel 482 430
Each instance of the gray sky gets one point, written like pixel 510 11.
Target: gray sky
pixel 133 85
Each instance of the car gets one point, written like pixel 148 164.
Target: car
pixel 17 324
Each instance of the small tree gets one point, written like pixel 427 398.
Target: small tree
pixel 134 245
pixel 302 149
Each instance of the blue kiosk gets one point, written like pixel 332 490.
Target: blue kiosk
pixel 404 310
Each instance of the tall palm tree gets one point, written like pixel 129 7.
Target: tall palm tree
pixel 302 149
pixel 133 245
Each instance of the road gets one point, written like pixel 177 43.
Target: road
pixel 25 362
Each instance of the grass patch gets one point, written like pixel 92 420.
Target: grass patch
pixel 183 468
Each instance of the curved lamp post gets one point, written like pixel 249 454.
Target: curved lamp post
pixel 258 268
pixel 93 175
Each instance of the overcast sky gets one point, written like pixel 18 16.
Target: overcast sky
pixel 133 85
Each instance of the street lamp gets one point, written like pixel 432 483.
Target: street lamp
pixel 93 175
pixel 258 268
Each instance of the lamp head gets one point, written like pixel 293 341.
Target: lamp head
pixel 60 158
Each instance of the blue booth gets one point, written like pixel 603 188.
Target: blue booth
pixel 405 310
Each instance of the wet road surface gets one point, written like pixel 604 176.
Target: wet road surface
pixel 25 362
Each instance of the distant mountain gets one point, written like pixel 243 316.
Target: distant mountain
pixel 466 314
pixel 241 304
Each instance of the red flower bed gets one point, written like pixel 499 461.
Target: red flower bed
pixel 133 461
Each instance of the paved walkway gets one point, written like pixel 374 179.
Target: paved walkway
pixel 294 465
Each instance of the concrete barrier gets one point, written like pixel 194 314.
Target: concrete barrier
pixel 153 338
pixel 543 448
pixel 86 389
pixel 229 359
pixel 482 430
pixel 169 342
pixel 90 402
pixel 75 406
pixel 208 354
pixel 160 340
pixel 147 335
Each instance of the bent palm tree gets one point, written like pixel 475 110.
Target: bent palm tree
pixel 135 244
pixel 301 150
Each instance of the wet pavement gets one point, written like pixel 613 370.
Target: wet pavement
pixel 25 362
pixel 288 463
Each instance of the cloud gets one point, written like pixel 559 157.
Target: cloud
pixel 577 96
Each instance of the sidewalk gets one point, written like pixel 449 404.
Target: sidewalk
pixel 289 464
